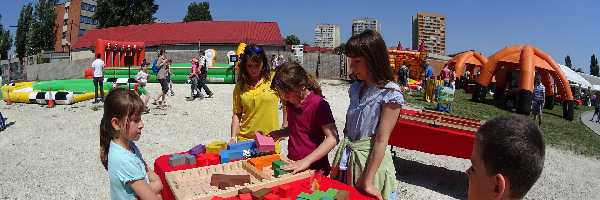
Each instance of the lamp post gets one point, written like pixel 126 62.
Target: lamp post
pixel 319 56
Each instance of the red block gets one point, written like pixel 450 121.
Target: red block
pixel 285 191
pixel 271 196
pixel 247 196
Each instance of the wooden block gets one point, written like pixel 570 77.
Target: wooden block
pixel 245 191
pixel 260 194
pixel 223 181
pixel 176 160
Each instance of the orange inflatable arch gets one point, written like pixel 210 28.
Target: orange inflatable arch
pixel 460 62
pixel 527 60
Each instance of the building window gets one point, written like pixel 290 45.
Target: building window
pixel 88 7
pixel 64 35
pixel 81 32
pixel 88 20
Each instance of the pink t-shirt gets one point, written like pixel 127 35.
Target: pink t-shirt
pixel 306 133
pixel 194 68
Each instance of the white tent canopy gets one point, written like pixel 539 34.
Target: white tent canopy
pixel 574 78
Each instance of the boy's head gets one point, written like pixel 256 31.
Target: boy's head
pixel 507 159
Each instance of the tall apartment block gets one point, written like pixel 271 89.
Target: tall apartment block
pixel 327 36
pixel 361 24
pixel 73 19
pixel 431 29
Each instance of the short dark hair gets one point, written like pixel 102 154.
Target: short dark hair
pixel 98 55
pixel 513 146
pixel 370 45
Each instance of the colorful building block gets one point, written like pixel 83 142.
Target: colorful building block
pixel 271 196
pixel 260 194
pixel 244 145
pixel 197 150
pixel 245 191
pixel 246 196
pixel 208 159
pixel 278 172
pixel 278 164
pixel 181 159
pixel 265 144
pixel 216 146
pixel 223 181
pixel 230 155
pixel 263 161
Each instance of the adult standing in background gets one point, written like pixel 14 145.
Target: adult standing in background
pixel 98 78
pixel 203 76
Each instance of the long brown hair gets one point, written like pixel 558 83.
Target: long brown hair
pixel 255 54
pixel 370 45
pixel 292 77
pixel 122 104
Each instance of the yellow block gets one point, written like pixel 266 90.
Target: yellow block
pixel 216 146
pixel 83 97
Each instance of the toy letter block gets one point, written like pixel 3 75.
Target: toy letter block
pixel 278 164
pixel 216 146
pixel 230 155
pixel 265 144
pixel 245 145
pixel 198 149
pixel 223 181
pixel 279 172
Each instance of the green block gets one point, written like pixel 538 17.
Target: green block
pixel 277 164
pixel 331 193
pixel 279 172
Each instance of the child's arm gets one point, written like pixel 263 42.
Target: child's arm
pixel 331 139
pixel 235 128
pixel 389 117
pixel 143 190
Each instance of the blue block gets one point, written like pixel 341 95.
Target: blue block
pixel 230 155
pixel 250 144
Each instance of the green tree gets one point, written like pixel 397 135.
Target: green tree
pixel 111 13
pixel 24 24
pixel 41 32
pixel 568 62
pixel 5 42
pixel 292 40
pixel 198 11
pixel 594 68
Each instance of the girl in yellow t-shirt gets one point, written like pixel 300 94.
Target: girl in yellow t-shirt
pixel 255 104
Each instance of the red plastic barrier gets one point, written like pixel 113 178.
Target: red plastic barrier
pixel 161 166
pixel 429 139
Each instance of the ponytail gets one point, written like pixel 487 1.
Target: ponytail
pixel 106 131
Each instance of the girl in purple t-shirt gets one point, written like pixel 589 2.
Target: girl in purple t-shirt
pixel 311 127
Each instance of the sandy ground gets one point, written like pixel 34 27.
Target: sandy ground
pixel 53 153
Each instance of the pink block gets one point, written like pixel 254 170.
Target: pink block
pixel 265 143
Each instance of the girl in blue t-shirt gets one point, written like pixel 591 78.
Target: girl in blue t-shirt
pixel 363 158
pixel 120 126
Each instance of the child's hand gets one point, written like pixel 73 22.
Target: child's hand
pixel 368 188
pixel 297 166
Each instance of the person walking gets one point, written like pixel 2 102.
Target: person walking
pixel 98 78
pixel 203 76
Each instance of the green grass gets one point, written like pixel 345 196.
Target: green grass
pixel 569 135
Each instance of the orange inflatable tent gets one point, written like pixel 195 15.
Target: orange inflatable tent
pixel 466 61
pixel 526 60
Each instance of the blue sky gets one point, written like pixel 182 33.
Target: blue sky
pixel 557 27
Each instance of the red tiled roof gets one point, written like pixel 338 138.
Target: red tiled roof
pixel 212 32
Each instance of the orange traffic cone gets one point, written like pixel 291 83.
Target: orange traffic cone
pixel 51 103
